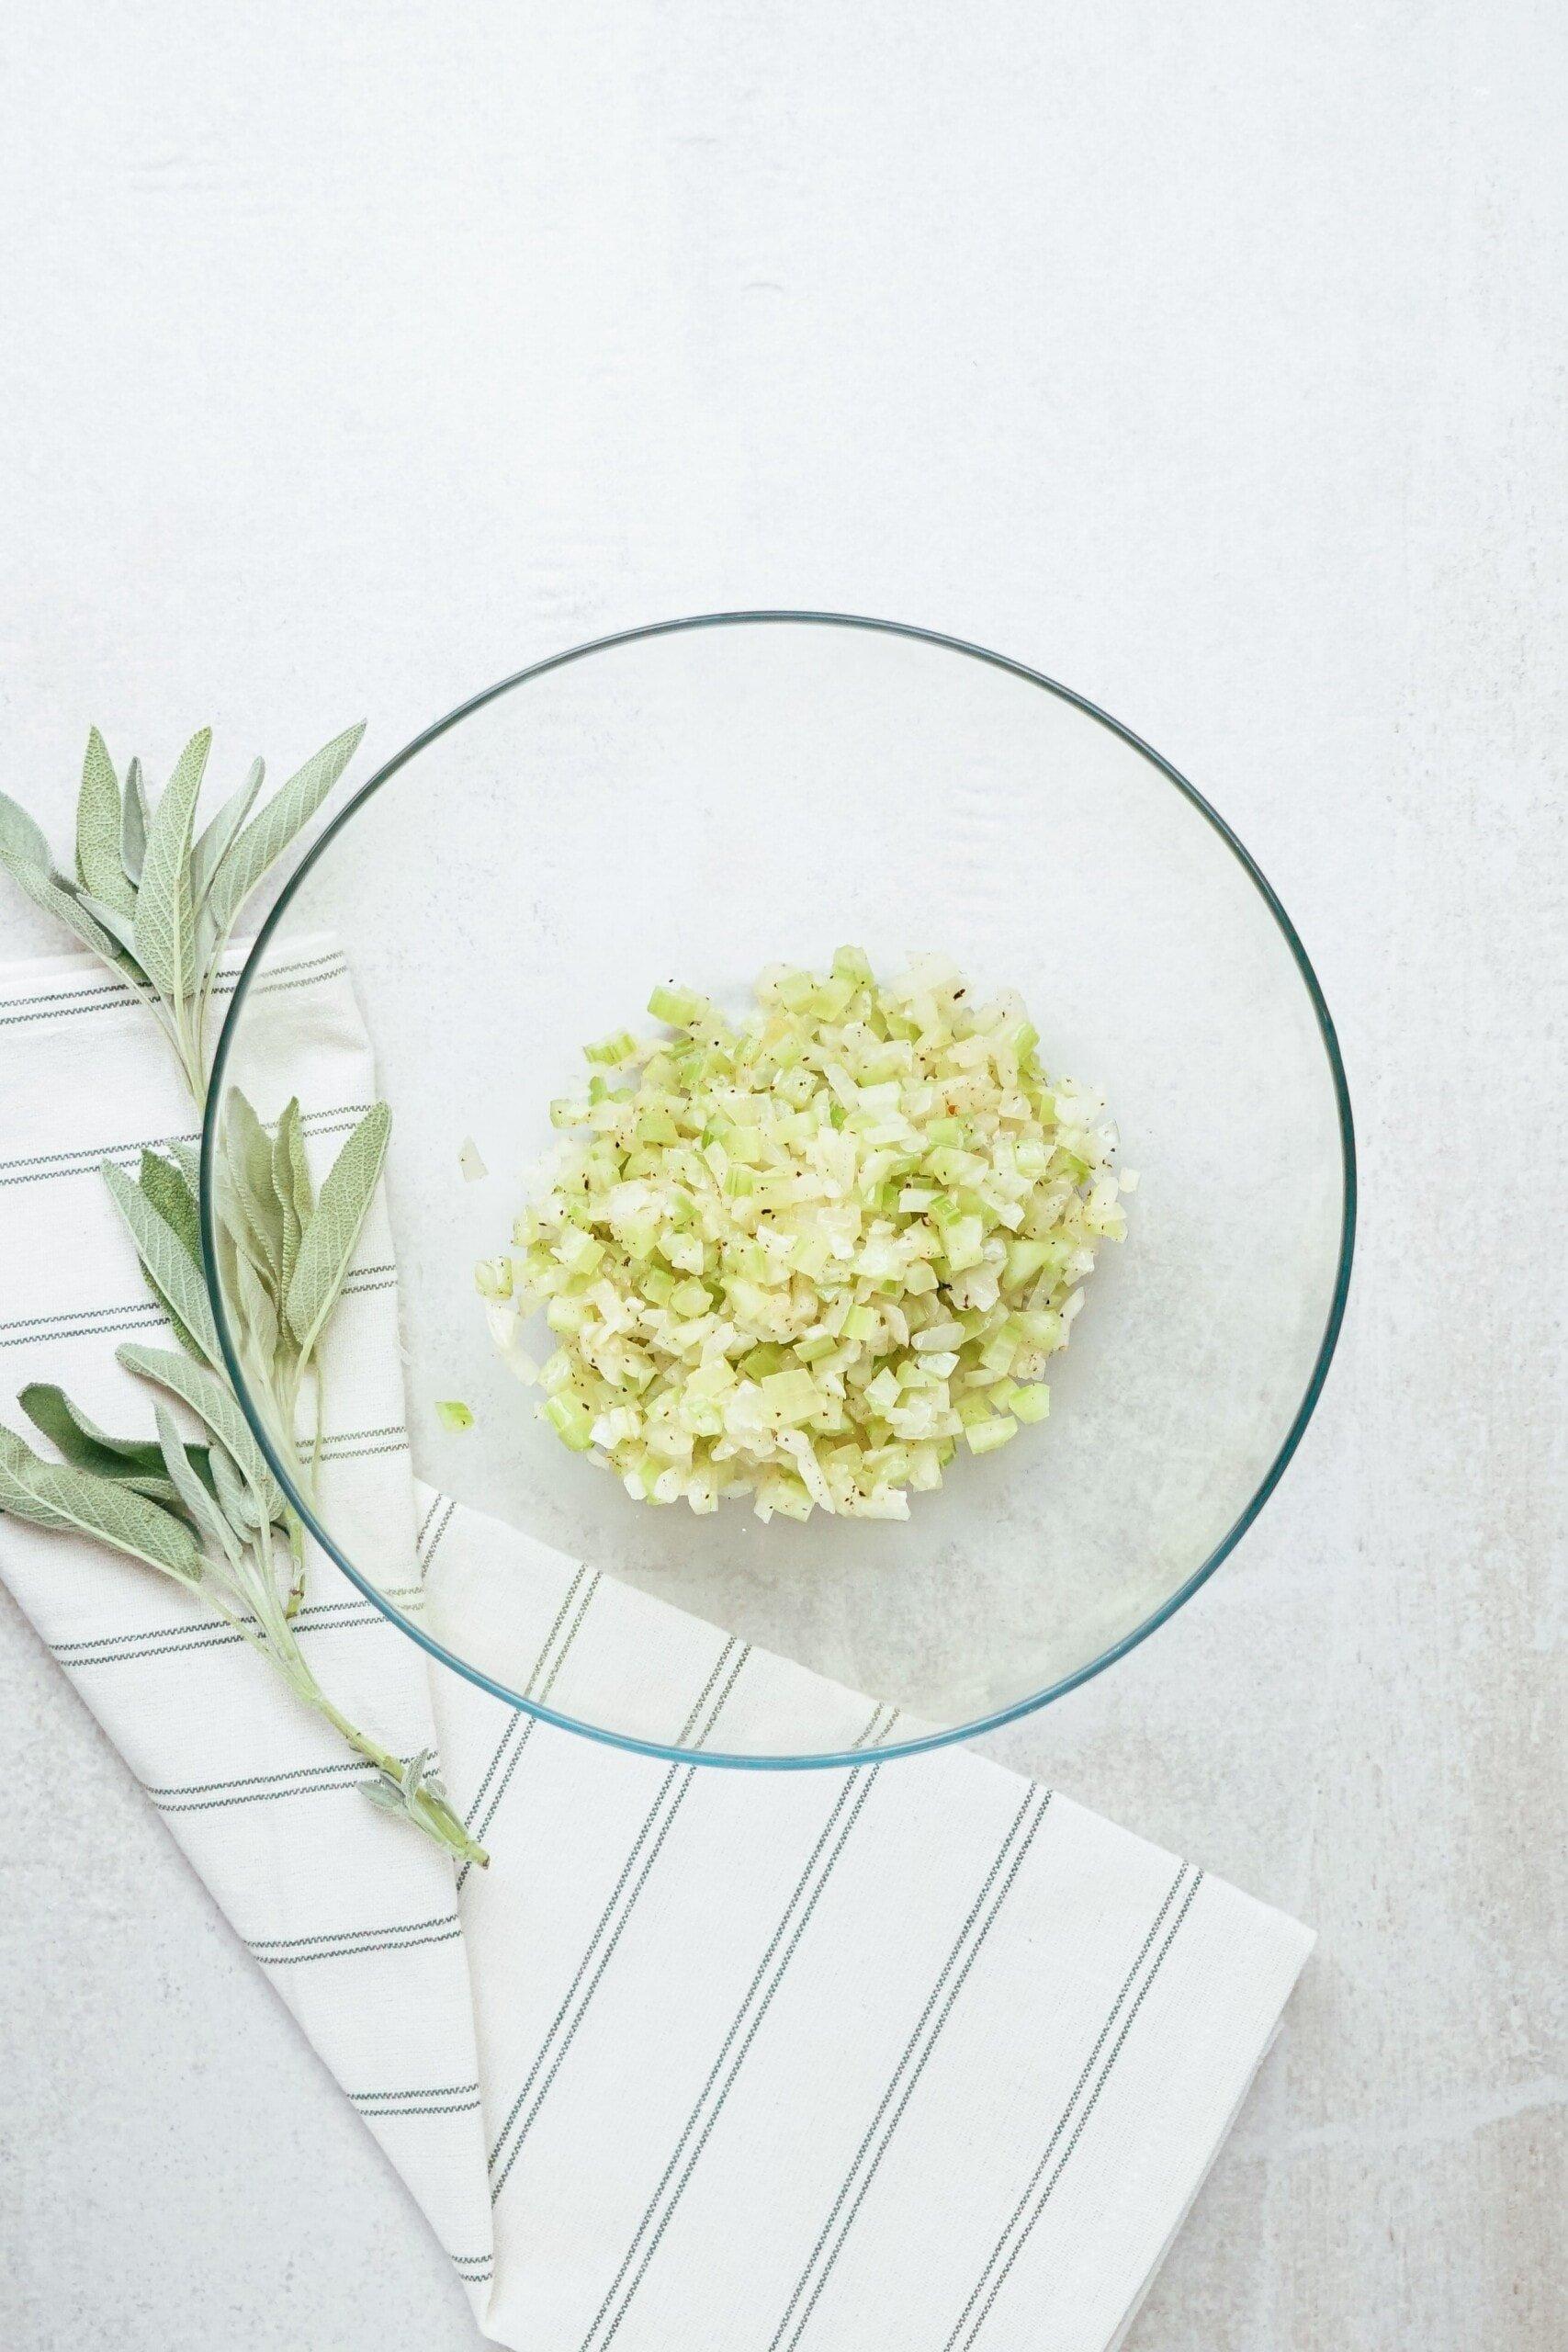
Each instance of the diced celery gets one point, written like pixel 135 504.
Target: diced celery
pixel 492 1278
pixel 792 1396
pixel 569 1314
pixel 675 1006
pixel 984 1437
pixel 746 1212
pixel 614 1050
pixel 964 1244
pixel 571 1421
pixel 581 1253
pixel 787 1495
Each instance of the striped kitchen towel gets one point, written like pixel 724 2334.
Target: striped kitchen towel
pixel 915 2054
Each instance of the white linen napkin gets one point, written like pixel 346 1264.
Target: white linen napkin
pixel 918 2054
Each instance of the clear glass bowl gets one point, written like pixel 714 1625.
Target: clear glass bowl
pixel 691 801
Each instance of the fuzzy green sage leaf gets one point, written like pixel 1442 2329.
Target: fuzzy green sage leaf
pixel 165 920
pixel 56 1495
pixel 326 1250
pixel 176 1276
pixel 98 815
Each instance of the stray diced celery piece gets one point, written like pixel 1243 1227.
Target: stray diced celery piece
pixel 455 1413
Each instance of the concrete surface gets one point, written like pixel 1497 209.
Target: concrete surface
pixel 1209 357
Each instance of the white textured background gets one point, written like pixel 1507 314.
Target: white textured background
pixel 1209 357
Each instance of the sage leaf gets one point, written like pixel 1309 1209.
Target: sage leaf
pixel 49 1410
pixel 21 843
pixel 285 1192
pixel 122 928
pixel 48 891
pixel 98 868
pixel 175 1277
pixel 215 843
pixel 234 1498
pixel 248 1164
pixel 258 1315
pixel 328 1243
pixel 164 1184
pixel 135 817
pixel 186 1156
pixel 52 1494
pixel 199 1503
pixel 213 1403
pixel 131 1462
pixel 165 921
pixel 268 835
pixel 291 1136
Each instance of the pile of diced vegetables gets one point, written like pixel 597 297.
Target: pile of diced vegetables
pixel 808 1255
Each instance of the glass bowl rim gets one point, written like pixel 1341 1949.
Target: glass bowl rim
pixel 946 1737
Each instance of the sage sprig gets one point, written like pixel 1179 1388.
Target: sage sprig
pixel 153 900
pixel 284 1255
pixel 157 902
